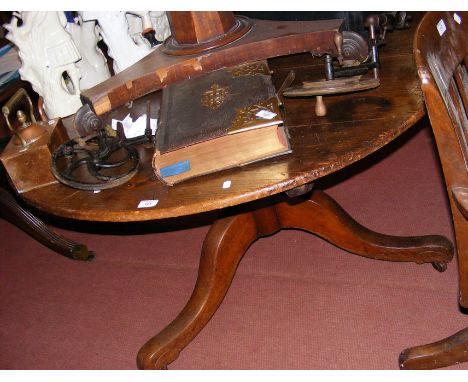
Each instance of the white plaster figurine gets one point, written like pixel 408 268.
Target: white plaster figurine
pixel 48 58
pixel 115 31
pixel 93 64
pixel 137 25
pixel 160 24
pixel 142 21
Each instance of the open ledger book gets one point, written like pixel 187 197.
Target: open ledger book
pixel 226 118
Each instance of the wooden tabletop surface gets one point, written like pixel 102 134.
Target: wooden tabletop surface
pixel 356 125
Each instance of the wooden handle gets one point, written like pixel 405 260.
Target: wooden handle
pixel 320 108
pixel 338 40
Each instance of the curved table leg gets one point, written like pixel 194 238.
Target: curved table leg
pixel 324 217
pixel 25 220
pixel 230 237
pixel 223 248
pixel 447 352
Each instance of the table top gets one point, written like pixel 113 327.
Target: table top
pixel 356 125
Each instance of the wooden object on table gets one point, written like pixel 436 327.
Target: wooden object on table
pixel 226 118
pixel 441 54
pixel 327 87
pixel 28 154
pixel 197 32
pixel 320 107
pixel 17 214
pixel 353 78
pixel 266 39
pixel 357 125
pixel 29 168
pixel 335 86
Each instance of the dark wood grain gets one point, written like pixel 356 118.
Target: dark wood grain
pixel 356 126
pixel 441 64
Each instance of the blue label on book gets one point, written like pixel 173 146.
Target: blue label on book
pixel 176 168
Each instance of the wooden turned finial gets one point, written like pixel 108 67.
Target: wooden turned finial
pixel 338 40
pixel 320 108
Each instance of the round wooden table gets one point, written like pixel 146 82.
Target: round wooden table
pixel 267 196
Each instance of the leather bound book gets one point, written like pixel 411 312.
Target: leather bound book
pixel 226 118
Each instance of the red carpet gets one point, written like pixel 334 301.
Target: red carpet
pixel 296 302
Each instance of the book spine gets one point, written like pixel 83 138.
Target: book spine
pixel 163 116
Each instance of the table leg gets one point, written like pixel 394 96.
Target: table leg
pixel 223 248
pixel 230 237
pixel 323 216
pixel 447 352
pixel 12 211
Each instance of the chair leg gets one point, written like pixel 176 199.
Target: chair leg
pixel 461 238
pixel 447 352
pixel 454 349
pixel 12 211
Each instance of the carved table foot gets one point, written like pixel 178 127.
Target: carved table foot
pixel 223 248
pixel 447 352
pixel 231 236
pixel 25 220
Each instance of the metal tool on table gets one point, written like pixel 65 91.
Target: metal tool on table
pixel 102 159
pixel 356 59
pixel 388 21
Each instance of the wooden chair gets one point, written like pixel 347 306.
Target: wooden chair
pixel 441 54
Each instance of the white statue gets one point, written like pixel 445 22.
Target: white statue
pixel 115 31
pixel 160 25
pixel 48 58
pixel 93 64
pixel 142 21
pixel 136 27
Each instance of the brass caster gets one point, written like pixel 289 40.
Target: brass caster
pixel 81 252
